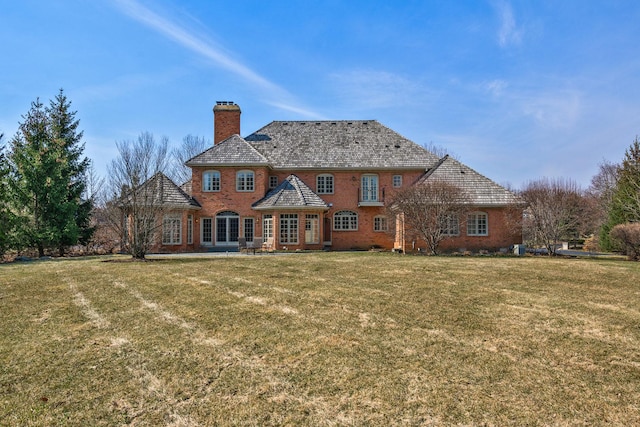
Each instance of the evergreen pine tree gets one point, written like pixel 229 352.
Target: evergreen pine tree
pixel 625 203
pixel 48 173
pixel 6 215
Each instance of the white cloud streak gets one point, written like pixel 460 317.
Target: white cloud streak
pixel 199 44
pixel 508 33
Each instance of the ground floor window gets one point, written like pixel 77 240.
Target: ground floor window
pixel 289 229
pixel 171 230
pixel 248 229
pixel 207 231
pixel 312 229
pixel 190 229
pixel 477 224
pixel 345 220
pixel 450 226
pixel 380 223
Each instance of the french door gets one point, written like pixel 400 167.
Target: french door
pixel 227 228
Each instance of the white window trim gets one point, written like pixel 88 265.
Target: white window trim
pixel 397 178
pixel 292 229
pixel 371 195
pixel 475 216
pixel 175 221
pixel 241 186
pixel 325 191
pixel 451 223
pixel 351 215
pixel 189 229
pixel 380 220
pixel 212 190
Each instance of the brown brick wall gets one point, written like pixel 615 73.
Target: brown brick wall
pixel 226 122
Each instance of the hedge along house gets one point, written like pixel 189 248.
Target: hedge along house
pixel 319 185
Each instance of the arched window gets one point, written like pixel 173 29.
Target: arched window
pixel 345 220
pixel 211 181
pixel 478 224
pixel 324 184
pixel 244 181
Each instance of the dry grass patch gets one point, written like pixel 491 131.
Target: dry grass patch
pixel 320 339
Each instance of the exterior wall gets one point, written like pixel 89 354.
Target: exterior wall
pixel 502 233
pixel 183 246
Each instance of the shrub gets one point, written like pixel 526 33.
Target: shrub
pixel 629 236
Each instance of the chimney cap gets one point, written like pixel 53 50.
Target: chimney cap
pixel 226 105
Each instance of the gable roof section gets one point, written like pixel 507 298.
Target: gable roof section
pixel 233 151
pixel 357 144
pixel 292 193
pixel 481 190
pixel 160 189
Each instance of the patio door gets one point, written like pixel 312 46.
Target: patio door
pixel 227 228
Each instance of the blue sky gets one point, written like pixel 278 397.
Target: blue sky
pixel 517 90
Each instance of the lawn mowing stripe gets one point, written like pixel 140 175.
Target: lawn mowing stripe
pixel 151 384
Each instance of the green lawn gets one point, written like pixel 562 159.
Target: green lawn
pixel 320 339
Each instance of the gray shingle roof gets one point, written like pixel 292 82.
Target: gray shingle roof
pixel 172 196
pixel 233 151
pixel 357 144
pixel 481 190
pixel 292 193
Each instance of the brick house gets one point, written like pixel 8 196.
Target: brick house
pixel 319 185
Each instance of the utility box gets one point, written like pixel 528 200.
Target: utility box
pixel 519 249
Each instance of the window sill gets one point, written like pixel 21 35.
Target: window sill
pixel 364 204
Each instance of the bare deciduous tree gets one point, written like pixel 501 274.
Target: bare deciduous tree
pixel 553 213
pixel 431 210
pixel 134 188
pixel 191 146
pixel 629 236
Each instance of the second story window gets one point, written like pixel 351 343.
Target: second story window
pixel 324 184
pixel 369 188
pixel 273 182
pixel 211 181
pixel 244 181
pixel 397 181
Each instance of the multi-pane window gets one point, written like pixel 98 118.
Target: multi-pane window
pixel 312 228
pixel 369 188
pixel 345 220
pixel 289 229
pixel 267 227
pixel 244 181
pixel 189 229
pixel 248 229
pixel 324 184
pixel 450 225
pixel 171 230
pixel 380 223
pixel 273 182
pixel 207 231
pixel 477 224
pixel 211 181
pixel 397 181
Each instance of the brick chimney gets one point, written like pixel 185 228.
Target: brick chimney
pixel 226 120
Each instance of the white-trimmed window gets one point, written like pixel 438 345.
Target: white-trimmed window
pixel 312 228
pixel 248 229
pixel 369 188
pixel 324 184
pixel 345 220
pixel 273 182
pixel 245 181
pixel 189 229
pixel 450 226
pixel 380 223
pixel 267 227
pixel 397 181
pixel 478 224
pixel 289 229
pixel 211 181
pixel 171 230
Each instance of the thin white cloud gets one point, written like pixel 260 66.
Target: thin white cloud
pixel 557 110
pixel 377 89
pixel 200 44
pixel 508 33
